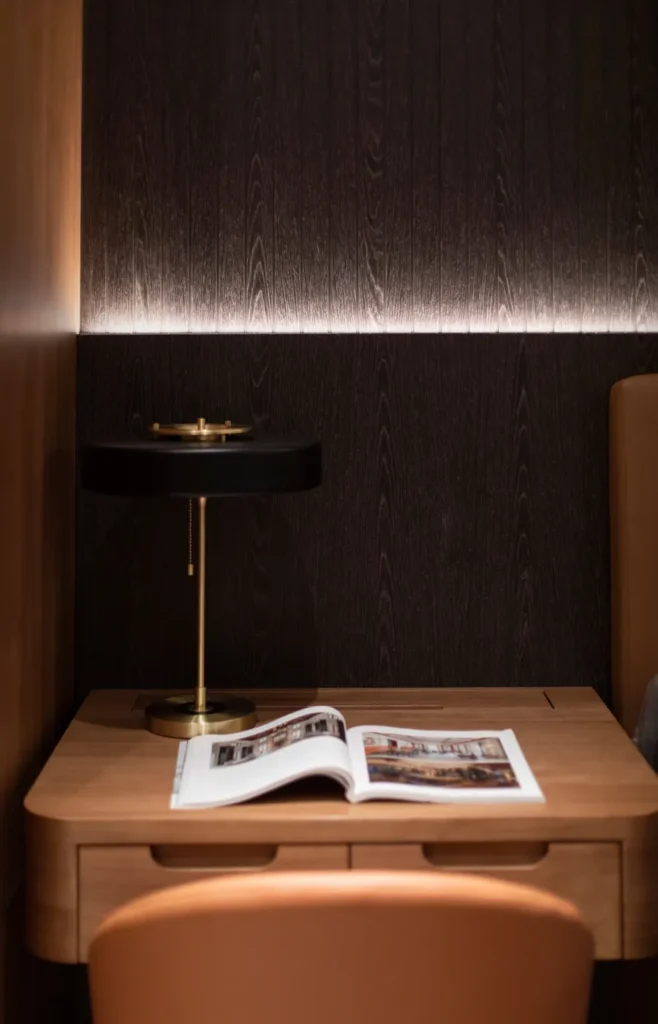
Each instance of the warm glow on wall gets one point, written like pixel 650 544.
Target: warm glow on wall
pixel 360 166
pixel 452 325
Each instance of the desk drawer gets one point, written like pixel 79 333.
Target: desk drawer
pixel 587 874
pixel 112 875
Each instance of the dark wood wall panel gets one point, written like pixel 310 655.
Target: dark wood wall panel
pixel 370 165
pixel 644 72
pixel 537 150
pixel 288 166
pixel 564 129
pixel 460 536
pixel 425 191
pixel 343 179
pixel 452 180
pixel 510 235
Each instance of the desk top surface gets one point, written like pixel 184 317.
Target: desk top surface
pixel 109 780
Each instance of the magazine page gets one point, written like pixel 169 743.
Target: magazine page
pixel 216 770
pixel 456 766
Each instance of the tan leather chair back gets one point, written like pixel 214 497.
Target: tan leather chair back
pixel 634 542
pixel 346 947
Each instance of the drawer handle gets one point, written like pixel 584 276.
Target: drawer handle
pixel 206 856
pixel 483 856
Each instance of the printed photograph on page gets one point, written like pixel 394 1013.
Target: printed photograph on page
pixel 225 753
pixel 459 762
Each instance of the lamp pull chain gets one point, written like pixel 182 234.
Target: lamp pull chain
pixel 190 539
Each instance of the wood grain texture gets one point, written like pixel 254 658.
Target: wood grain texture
pixel 587 874
pixel 204 133
pixel 118 187
pixel 453 183
pixel 564 93
pixel 111 876
pixel 509 73
pixel 40 141
pixel 616 43
pixel 398 170
pixel 537 157
pixel 258 140
pixel 644 71
pixel 598 791
pixel 481 165
pixel 97 53
pixel 176 168
pixel 425 73
pixel 149 224
pixel 592 167
pixel 287 168
pixel 316 165
pixel 371 163
pixel 381 165
pixel 343 180
pixel 460 536
pixel 231 171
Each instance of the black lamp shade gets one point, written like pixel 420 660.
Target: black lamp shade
pixel 191 469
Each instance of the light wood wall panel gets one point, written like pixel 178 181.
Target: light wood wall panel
pixel 40 139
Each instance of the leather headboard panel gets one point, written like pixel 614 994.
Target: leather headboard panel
pixel 634 541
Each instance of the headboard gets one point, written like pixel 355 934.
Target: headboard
pixel 634 541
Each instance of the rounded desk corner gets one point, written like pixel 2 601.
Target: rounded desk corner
pixel 41 817
pixel 640 885
pixel 51 886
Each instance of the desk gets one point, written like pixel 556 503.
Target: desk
pixel 100 830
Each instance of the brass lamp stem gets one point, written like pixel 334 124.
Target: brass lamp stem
pixel 187 715
pixel 200 700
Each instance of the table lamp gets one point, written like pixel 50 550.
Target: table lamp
pixel 198 461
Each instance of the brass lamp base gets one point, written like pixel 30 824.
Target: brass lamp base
pixel 177 718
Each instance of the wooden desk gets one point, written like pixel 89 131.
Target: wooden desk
pixel 100 830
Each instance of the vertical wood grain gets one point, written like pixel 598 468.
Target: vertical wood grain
pixel 40 142
pixel 97 55
pixel 593 209
pixel 343 182
pixel 177 170
pixel 510 166
pixel 287 157
pixel 522 552
pixel 398 169
pixel 564 90
pixel 454 195
pixel 205 71
pixel 425 73
pixel 481 166
pixel 619 170
pixel 385 654
pixel 118 192
pixel 258 152
pixel 537 156
pixel 371 163
pixel 375 165
pixel 469 548
pixel 644 71
pixel 148 192
pixel 316 165
pixel 232 169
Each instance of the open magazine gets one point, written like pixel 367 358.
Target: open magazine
pixel 372 763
